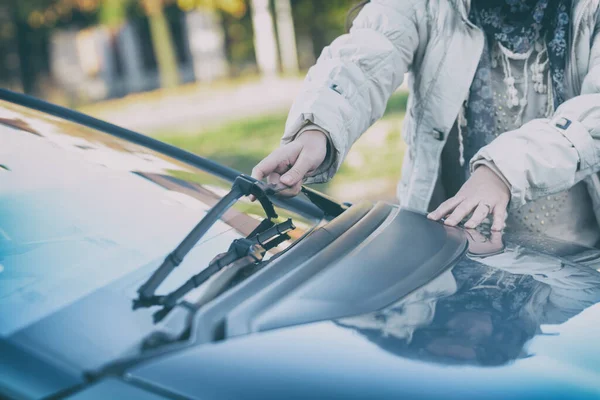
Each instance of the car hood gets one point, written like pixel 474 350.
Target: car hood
pixel 521 322
pixel 328 360
pixel 518 316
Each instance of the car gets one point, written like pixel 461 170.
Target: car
pixel 131 269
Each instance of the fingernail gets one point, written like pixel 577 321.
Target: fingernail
pixel 431 216
pixel 450 222
pixel 469 226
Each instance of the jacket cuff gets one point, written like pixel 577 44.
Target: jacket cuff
pixel 308 121
pixel 326 170
pixel 579 137
pixel 490 164
pixel 540 158
pixel 516 182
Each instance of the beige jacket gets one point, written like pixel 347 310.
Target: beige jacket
pixel 435 43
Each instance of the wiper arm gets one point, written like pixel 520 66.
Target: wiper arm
pixel 242 186
pixel 243 252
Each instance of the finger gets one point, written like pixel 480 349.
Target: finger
pixel 460 212
pixel 496 238
pixel 298 171
pixel 273 179
pixel 445 208
pixel 499 217
pixel 280 160
pixel 480 213
pixel 475 236
pixel 283 167
pixel 291 192
pixel 270 163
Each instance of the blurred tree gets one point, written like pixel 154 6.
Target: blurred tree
pixel 264 37
pixel 321 21
pixel 236 8
pixel 10 61
pixel 113 13
pixel 236 22
pixel 314 24
pixel 239 44
pixel 287 36
pixel 35 20
pixel 162 37
pixel 162 42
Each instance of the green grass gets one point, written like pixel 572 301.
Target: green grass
pixel 377 156
pixel 238 144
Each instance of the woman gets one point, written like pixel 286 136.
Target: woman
pixel 503 118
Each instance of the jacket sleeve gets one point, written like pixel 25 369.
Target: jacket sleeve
pixel 547 156
pixel 348 88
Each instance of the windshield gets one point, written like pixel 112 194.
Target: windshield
pixel 81 210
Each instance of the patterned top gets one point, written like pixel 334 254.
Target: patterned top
pixel 568 215
pixel 520 77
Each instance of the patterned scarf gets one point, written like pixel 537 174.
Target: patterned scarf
pixel 517 25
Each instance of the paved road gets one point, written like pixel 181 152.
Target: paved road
pixel 187 112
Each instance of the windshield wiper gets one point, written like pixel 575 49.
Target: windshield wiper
pixel 241 253
pixel 242 186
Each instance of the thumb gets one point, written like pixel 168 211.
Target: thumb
pixel 298 171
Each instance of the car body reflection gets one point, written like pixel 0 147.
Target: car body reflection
pixel 486 309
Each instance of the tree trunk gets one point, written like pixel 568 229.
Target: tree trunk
pixel 287 36
pixel 265 43
pixel 162 42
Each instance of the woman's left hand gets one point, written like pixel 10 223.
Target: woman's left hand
pixel 484 193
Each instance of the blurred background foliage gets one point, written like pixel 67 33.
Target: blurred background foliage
pixel 215 77
pixel 28 27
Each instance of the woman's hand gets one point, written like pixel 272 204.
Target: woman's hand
pixel 483 194
pixel 287 166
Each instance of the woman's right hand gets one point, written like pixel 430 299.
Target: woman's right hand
pixel 287 166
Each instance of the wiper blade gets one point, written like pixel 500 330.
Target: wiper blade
pixel 242 186
pixel 243 252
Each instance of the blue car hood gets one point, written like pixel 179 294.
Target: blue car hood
pixel 517 322
pixel 327 360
